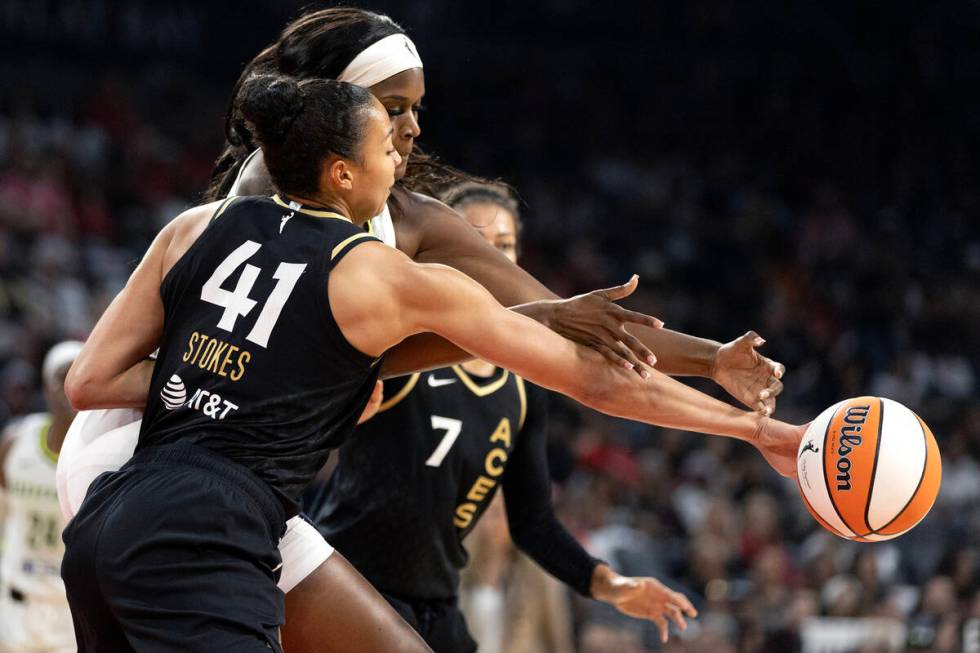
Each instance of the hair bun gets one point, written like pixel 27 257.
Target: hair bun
pixel 271 103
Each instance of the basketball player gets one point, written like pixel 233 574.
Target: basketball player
pixel 373 51
pixel 238 420
pixel 34 615
pixel 415 480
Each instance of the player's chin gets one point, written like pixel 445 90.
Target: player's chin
pixel 401 167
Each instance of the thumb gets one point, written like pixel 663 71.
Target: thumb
pixel 751 339
pixel 616 293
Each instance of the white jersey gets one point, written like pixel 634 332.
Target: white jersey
pixel 381 226
pixel 34 614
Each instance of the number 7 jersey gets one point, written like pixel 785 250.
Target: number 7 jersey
pixel 252 364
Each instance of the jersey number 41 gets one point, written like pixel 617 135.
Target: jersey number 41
pixel 237 302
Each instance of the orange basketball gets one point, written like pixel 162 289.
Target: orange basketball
pixel 868 469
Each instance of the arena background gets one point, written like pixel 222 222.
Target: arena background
pixel 809 170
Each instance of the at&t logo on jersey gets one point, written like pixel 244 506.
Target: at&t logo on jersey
pixel 213 405
pixel 174 394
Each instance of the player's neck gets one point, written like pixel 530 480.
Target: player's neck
pixel 336 204
pixel 479 367
pixel 57 431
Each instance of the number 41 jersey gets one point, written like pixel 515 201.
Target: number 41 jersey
pixel 252 364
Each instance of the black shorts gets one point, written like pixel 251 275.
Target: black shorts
pixel 440 622
pixel 176 551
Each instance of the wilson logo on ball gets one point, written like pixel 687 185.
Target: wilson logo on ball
pixel 850 437
pixel 872 469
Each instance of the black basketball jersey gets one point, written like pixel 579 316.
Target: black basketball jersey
pixel 414 480
pixel 252 364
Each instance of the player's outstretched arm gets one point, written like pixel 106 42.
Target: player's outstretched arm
pixel 379 297
pixel 437 234
pixel 427 351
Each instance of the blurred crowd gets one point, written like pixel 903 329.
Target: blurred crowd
pixel 857 257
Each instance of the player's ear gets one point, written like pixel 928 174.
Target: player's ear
pixel 338 174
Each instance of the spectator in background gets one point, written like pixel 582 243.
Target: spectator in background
pixel 831 192
pixel 509 602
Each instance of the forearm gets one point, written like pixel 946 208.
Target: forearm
pixel 663 401
pixel 546 541
pixel 678 354
pixel 553 362
pixel 129 389
pixel 429 351
pixel 419 353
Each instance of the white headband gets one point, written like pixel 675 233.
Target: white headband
pixel 59 355
pixel 380 60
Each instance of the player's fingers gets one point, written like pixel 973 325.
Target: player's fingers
pixel 685 604
pixel 778 369
pixel 662 626
pixel 638 348
pixel 751 339
pixel 625 315
pixel 619 292
pixel 625 353
pixel 772 390
pixel 612 356
pixel 675 614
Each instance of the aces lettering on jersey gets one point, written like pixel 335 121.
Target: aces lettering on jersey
pixel 493 467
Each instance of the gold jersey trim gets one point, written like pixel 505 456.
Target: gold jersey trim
pixel 480 391
pixel 316 214
pixel 347 241
pixel 221 209
pixel 522 393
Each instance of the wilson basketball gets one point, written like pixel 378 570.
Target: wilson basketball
pixel 869 469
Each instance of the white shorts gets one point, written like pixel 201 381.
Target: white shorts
pixel 103 440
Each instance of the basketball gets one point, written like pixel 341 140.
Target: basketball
pixel 868 469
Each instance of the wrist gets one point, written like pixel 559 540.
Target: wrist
pixel 758 429
pixel 541 311
pixel 713 349
pixel 603 583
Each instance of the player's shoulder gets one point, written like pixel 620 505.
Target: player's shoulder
pixel 412 206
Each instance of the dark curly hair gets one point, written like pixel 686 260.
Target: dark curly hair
pixel 298 123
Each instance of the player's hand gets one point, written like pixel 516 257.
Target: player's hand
pixel 595 320
pixel 779 443
pixel 643 598
pixel 374 403
pixel 747 375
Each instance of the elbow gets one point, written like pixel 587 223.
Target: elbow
pixel 79 389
